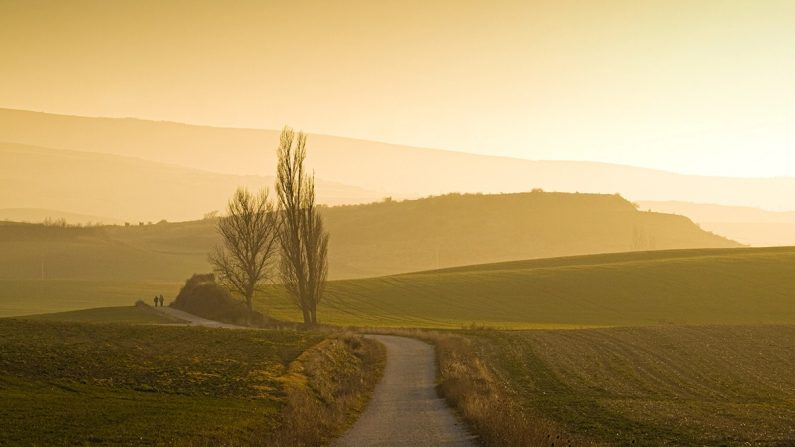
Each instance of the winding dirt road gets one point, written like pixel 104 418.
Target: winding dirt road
pixel 405 409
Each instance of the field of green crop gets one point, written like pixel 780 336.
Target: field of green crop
pixel 696 385
pixel 732 286
pixel 735 286
pixel 76 384
pixel 27 297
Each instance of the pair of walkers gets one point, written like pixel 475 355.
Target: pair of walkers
pixel 159 299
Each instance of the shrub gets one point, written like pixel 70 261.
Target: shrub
pixel 202 296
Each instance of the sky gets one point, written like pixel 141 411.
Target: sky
pixel 701 87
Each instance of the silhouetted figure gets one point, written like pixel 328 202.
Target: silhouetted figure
pixel 155 300
pixel 161 300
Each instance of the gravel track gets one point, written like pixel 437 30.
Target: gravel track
pixel 405 409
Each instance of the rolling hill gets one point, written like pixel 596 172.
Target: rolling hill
pixel 125 188
pixel 752 226
pixel 683 287
pixel 366 240
pixel 388 169
pixel 678 287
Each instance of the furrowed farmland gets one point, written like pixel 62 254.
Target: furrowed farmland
pixel 690 385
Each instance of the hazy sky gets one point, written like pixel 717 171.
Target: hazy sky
pixel 692 86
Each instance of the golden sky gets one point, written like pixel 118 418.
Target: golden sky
pixel 694 86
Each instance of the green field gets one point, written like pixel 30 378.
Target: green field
pixel 734 286
pixel 708 386
pixel 26 297
pixel 727 286
pixel 71 384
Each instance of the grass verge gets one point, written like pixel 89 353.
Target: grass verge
pixel 327 387
pixel 484 403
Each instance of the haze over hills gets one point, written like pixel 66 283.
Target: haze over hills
pixel 388 169
pixel 752 226
pixel 366 240
pixel 126 188
pixel 37 215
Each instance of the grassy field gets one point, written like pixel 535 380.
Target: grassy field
pixel 27 297
pixel 735 286
pixel 710 386
pixel 75 384
pixel 727 286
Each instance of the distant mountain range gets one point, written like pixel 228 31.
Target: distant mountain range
pixel 378 169
pixel 126 188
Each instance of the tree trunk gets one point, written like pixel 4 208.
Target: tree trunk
pixel 249 300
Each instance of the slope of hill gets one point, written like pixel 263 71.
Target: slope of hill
pixel 725 286
pixel 389 169
pixel 366 240
pixel 127 188
pixel 683 287
pixel 752 226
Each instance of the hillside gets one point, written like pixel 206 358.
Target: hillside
pixel 125 188
pixel 38 215
pixel 366 240
pixel 752 226
pixel 735 286
pixel 385 168
pixel 680 287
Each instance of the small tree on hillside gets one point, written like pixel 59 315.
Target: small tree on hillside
pixel 249 235
pixel 303 241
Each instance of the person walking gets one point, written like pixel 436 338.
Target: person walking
pixel 155 300
pixel 161 300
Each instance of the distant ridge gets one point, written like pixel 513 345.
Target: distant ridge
pixel 38 215
pixel 128 188
pixel 367 240
pixel 387 169
pixel 752 226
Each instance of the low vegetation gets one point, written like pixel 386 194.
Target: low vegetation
pixel 114 384
pixel 710 386
pixel 203 297
pixel 484 403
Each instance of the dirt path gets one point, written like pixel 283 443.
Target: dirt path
pixel 194 320
pixel 405 409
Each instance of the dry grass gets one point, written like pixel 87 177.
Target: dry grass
pixel 481 400
pixel 326 389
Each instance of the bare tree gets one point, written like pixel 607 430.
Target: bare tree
pixel 304 243
pixel 249 235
